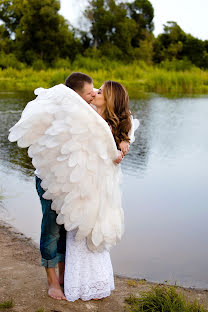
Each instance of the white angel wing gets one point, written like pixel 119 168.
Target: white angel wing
pixel 73 149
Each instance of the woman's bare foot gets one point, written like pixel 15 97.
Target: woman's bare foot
pixel 95 299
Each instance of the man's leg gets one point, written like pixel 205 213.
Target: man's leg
pixel 61 249
pixel 50 238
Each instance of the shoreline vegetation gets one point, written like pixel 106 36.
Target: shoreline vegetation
pixel 169 79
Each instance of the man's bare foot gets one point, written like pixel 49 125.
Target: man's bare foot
pixel 54 286
pixel 56 293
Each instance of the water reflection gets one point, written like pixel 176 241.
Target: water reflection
pixel 137 159
pixel 11 106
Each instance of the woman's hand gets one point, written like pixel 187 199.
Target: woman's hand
pixel 119 158
pixel 124 146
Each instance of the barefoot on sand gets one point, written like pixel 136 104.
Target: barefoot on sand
pixel 56 293
pixel 54 290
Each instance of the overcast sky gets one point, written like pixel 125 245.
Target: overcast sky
pixel 191 15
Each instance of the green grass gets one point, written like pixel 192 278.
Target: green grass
pixel 138 77
pixel 6 304
pixel 162 299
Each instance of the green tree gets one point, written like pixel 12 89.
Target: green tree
pixel 6 43
pixel 169 44
pixel 116 26
pixel 142 12
pixel 195 50
pixel 39 30
pixel 11 13
pixel 174 43
pixel 145 50
pixel 103 16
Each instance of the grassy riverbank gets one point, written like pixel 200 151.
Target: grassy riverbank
pixel 139 78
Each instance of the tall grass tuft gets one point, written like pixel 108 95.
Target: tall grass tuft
pixel 162 299
pixel 6 305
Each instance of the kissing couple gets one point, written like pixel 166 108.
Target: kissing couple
pixel 77 138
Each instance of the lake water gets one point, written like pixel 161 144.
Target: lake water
pixel 165 189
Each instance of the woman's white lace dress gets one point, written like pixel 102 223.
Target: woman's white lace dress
pixel 88 274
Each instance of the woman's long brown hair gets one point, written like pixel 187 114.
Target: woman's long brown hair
pixel 117 113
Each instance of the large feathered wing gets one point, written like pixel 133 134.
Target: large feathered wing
pixel 73 149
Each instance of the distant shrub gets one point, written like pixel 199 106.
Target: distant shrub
pixel 88 63
pixel 62 63
pixel 177 65
pixel 38 65
pixel 112 52
pixel 94 64
pixel 10 60
pixel 58 76
pixel 92 53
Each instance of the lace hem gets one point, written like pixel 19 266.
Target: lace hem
pixel 87 293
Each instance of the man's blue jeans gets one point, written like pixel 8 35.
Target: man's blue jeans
pixel 53 236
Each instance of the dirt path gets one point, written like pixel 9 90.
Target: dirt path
pixel 22 279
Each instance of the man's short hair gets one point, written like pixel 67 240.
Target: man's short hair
pixel 76 81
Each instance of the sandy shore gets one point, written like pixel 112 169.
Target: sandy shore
pixel 22 279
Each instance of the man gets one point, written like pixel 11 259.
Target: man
pixel 53 236
pixel 82 84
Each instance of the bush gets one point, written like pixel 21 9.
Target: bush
pixel 38 65
pixel 88 63
pixel 6 304
pixel 10 60
pixel 177 65
pixel 62 63
pixel 162 299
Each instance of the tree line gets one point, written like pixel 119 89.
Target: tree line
pixel 33 32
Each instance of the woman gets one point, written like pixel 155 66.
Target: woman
pixel 88 274
pixel 112 103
